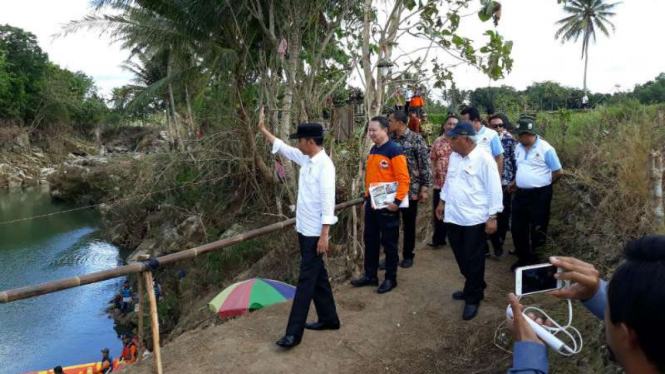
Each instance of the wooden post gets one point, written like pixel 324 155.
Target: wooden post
pixel 139 315
pixel 657 188
pixel 154 319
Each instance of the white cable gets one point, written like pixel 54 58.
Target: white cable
pixel 565 330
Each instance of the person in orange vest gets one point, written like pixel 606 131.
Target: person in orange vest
pixel 128 349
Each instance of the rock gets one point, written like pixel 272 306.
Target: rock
pixel 147 247
pixel 103 209
pixel 232 231
pixel 45 172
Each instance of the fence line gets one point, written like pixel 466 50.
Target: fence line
pixel 16 294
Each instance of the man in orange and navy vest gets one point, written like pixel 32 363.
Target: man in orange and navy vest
pixel 128 349
pixel 385 163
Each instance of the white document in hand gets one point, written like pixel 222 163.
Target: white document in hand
pixel 383 193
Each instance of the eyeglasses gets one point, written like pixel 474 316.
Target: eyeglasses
pixel 496 125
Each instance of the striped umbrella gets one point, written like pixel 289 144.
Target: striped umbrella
pixel 253 294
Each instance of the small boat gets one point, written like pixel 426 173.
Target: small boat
pixel 90 368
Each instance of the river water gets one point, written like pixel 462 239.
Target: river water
pixel 63 328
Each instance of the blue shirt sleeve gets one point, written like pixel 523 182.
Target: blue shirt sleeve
pixel 596 305
pixel 496 146
pixel 529 358
pixel 552 160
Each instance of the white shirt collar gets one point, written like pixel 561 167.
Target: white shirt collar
pixel 317 156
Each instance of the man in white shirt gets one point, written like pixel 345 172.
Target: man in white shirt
pixel 315 213
pixel 538 167
pixel 486 139
pixel 471 199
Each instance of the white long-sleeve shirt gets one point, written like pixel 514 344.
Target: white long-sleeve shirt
pixel 472 191
pixel 316 189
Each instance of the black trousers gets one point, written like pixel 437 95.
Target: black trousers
pixel 531 217
pixel 503 223
pixel 409 216
pixel 439 235
pixel 381 228
pixel 469 243
pixel 313 284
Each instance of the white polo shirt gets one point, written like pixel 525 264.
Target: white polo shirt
pixel 534 168
pixel 316 189
pixel 488 140
pixel 472 190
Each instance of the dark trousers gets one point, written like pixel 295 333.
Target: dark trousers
pixel 409 216
pixel 439 236
pixel 381 228
pixel 313 284
pixel 531 216
pixel 468 243
pixel 503 224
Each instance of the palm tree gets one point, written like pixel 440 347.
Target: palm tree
pixel 585 16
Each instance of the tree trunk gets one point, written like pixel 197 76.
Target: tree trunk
pixel 287 103
pixel 174 114
pixel 656 161
pixel 190 113
pixel 586 65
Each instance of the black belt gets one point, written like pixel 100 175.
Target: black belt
pixel 535 189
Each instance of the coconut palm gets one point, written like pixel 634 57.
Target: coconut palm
pixel 585 16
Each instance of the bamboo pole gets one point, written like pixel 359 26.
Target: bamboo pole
pixel 154 319
pixel 656 159
pixel 12 295
pixel 139 313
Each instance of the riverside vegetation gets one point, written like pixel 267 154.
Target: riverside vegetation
pixel 202 71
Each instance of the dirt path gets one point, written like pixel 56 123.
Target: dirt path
pixel 416 328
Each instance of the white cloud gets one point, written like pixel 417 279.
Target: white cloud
pixel 632 55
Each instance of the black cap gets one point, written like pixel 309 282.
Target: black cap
pixel 462 128
pixel 308 130
pixel 526 124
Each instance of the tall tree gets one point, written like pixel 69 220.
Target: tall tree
pixel 584 17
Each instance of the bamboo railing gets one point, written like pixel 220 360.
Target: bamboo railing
pixel 144 268
pixel 12 295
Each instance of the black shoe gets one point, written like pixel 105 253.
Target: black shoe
pixel 470 311
pixel 458 295
pixel 499 253
pixel 487 255
pixel 387 286
pixel 365 281
pixel 382 265
pixel 320 326
pixel 407 263
pixel 436 245
pixel 289 341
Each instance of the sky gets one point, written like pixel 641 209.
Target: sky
pixel 633 54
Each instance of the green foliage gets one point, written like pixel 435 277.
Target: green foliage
pixel 23 72
pixel 37 92
pixel 651 92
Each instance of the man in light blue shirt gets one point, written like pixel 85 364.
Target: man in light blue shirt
pixel 538 167
pixel 486 139
pixel 632 305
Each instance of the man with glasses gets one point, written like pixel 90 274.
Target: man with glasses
pixel 501 124
pixel 415 149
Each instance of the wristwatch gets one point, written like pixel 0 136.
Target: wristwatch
pixel 493 216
